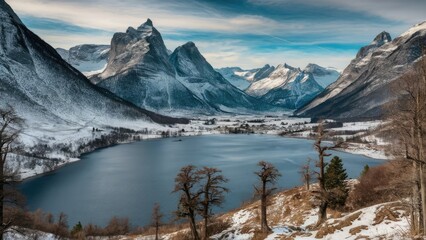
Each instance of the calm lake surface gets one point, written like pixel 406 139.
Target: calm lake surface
pixel 126 180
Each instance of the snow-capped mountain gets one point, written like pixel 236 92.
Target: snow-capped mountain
pixel 284 86
pixel 45 90
pixel 141 70
pixel 87 58
pixel 363 87
pixel 323 76
pixel 238 77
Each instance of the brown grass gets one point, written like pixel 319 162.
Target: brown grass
pixel 327 229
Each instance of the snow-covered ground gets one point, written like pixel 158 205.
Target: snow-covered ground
pixel 292 216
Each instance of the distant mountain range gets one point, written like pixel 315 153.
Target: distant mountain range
pixel 363 88
pixel 282 86
pixel 243 78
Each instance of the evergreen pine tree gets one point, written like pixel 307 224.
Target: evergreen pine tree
pixel 364 170
pixel 335 176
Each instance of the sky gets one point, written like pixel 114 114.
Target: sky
pixel 244 33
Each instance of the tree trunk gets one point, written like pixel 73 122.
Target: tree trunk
pixel 264 224
pixel 156 231
pixel 423 196
pixel 193 227
pixel 322 213
pixel 205 225
pixel 416 220
pixel 2 161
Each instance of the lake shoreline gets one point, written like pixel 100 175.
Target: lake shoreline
pixel 367 152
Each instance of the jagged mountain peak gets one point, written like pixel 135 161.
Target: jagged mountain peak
pixel 146 26
pixel 382 38
pixel 147 23
pixel 188 61
pixel 142 48
pixel 189 45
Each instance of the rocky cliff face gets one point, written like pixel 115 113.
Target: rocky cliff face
pixel 363 87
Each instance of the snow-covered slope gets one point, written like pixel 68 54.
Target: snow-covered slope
pixel 141 70
pixel 238 77
pixel 284 86
pixel 323 76
pixel 363 87
pixel 87 58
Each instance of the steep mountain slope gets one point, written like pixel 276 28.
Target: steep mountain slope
pixel 141 71
pixel 87 58
pixel 45 90
pixel 285 86
pixel 323 76
pixel 238 77
pixel 363 87
pixel 199 76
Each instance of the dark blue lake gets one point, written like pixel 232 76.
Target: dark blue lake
pixel 126 180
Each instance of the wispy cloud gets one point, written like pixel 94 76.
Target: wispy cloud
pixel 248 33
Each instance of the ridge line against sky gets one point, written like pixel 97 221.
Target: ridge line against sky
pixel 245 33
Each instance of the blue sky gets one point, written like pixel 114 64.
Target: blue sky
pixel 246 33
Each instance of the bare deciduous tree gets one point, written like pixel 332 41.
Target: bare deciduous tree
pixel 408 122
pixel 306 173
pixel 10 128
pixel 322 149
pixel 185 182
pixel 212 192
pixel 268 175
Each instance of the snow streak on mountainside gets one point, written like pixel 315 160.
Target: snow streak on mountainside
pixel 238 77
pixel 363 87
pixel 141 71
pixel 87 58
pixel 47 91
pixel 323 76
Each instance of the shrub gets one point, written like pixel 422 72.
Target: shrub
pixel 379 184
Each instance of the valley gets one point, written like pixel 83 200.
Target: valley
pixel 197 121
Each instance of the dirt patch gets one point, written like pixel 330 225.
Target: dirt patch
pixel 337 225
pixel 358 229
pixel 392 212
